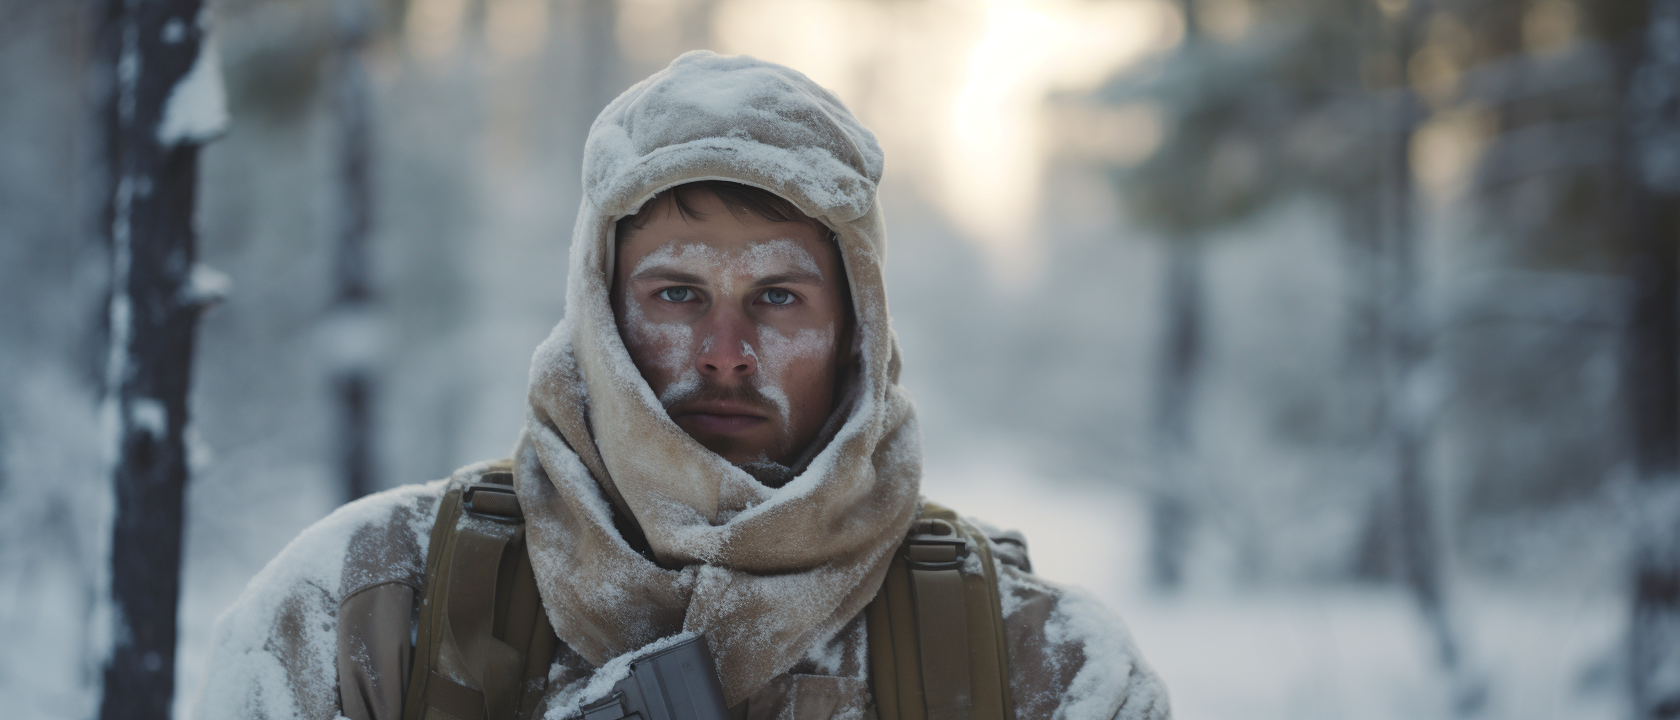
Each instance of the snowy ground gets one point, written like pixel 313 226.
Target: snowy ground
pixel 1302 653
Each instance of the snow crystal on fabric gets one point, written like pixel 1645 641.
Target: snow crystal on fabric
pixel 1071 658
pixel 1111 661
pixel 737 118
pixel 569 700
pixel 275 648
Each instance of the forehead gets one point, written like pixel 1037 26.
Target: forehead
pixel 723 241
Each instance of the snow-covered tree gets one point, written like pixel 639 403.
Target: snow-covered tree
pixel 166 100
pixel 354 383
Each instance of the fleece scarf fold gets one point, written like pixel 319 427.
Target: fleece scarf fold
pixel 766 574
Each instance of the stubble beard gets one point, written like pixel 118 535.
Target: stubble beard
pixel 778 454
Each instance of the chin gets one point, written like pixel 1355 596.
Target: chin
pixel 738 451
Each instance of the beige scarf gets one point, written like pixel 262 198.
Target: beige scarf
pixel 765 574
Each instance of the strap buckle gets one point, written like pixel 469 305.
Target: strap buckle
pixel 934 545
pixel 492 500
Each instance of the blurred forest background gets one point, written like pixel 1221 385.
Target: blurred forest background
pixel 1331 342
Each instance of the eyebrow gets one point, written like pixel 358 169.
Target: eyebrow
pixel 669 274
pixel 793 277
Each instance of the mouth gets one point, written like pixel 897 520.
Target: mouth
pixel 718 417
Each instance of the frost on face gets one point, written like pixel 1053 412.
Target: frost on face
pixel 782 352
pixel 676 346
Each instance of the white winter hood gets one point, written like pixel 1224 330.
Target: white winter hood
pixel 764 573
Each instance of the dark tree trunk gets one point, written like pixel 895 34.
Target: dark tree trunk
pixel 1364 365
pixel 1171 513
pixel 1362 357
pixel 1651 369
pixel 353 383
pixel 1409 408
pixel 148 46
pixel 1408 421
pixel 603 69
pixel 1650 75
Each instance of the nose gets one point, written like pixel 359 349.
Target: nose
pixel 727 351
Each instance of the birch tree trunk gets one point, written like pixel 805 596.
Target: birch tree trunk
pixel 165 101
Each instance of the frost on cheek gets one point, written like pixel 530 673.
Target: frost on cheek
pixel 672 343
pixel 673 347
pixel 778 352
pixel 685 385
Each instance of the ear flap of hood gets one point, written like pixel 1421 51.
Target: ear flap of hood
pixel 764 573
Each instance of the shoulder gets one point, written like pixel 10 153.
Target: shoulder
pixel 1070 656
pixel 376 539
pixel 274 649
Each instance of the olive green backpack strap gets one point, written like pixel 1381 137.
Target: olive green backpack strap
pixel 936 642
pixel 483 643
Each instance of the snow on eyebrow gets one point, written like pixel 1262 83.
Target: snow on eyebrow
pixel 679 255
pixel 760 258
pixel 757 260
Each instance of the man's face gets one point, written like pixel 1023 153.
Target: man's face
pixel 737 323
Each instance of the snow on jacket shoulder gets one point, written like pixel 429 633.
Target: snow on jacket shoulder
pixel 1070 657
pixel 279 649
pixel 275 650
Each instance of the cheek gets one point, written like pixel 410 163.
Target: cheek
pixel 799 360
pixel 663 346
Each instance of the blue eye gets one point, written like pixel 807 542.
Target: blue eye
pixel 679 294
pixel 777 296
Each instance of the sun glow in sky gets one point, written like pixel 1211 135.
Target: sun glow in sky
pixel 955 89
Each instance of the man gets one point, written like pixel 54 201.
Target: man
pixel 716 446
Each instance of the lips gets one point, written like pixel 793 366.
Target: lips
pixel 718 417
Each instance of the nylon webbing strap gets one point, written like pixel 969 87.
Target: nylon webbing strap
pixel 936 583
pixel 895 668
pixel 481 620
pixel 453 698
pixel 936 637
pixel 430 629
pixel 495 666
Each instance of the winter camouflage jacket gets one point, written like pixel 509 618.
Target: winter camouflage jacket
pixel 295 644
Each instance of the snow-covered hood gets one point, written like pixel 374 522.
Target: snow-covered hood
pixel 764 573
